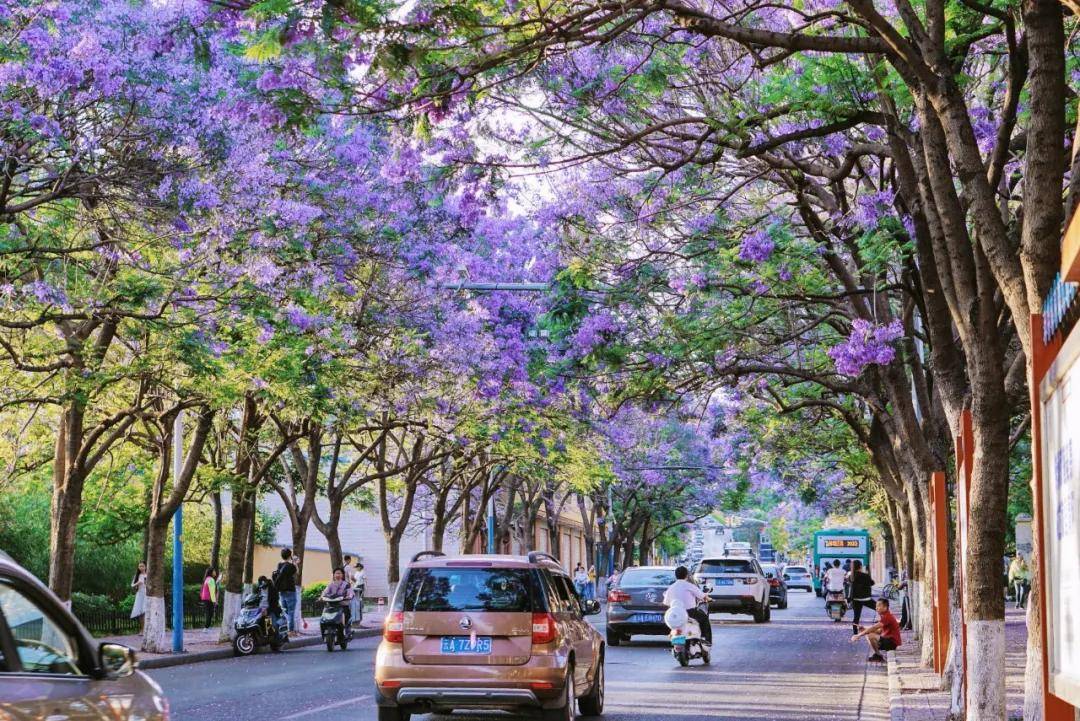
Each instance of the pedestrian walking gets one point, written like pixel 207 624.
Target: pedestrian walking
pixel 138 584
pixel 209 594
pixel 590 590
pixel 1020 579
pixel 862 593
pixel 285 583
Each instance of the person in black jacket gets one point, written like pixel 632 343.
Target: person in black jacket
pixel 285 583
pixel 862 592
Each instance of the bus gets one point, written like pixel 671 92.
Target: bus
pixel 842 544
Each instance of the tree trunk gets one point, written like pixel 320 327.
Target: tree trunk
pixel 242 511
pixel 644 547
pixel 66 507
pixel 215 544
pixel 249 545
pixel 393 561
pixel 243 518
pixel 984 598
pixel 155 635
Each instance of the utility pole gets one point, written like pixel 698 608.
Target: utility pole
pixel 178 540
pixel 491 516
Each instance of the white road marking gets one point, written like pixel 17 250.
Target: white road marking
pixel 327 707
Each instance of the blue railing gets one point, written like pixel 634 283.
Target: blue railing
pixel 1060 309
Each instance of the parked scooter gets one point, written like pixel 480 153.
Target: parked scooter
pixel 686 641
pixel 332 624
pixel 257 626
pixel 835 605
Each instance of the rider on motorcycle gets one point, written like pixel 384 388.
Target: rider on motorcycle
pixel 340 589
pixel 689 596
pixel 834 579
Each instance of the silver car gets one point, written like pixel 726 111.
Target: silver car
pixel 798 577
pixel 51 668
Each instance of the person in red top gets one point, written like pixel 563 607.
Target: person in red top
pixel 883 635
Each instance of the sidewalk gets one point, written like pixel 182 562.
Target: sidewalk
pixel 915 692
pixel 202 644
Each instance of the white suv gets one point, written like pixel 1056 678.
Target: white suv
pixel 737 585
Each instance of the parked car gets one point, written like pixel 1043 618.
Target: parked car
pixel 503 633
pixel 738 586
pixel 51 668
pixel 636 603
pixel 777 587
pixel 798 577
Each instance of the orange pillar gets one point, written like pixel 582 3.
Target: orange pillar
pixel 939 505
pixel 1054 708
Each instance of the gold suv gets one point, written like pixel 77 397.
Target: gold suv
pixel 489 632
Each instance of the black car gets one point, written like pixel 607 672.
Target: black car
pixel 636 603
pixel 777 585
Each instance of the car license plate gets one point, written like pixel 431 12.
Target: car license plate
pixel 725 582
pixel 466 644
pixel 647 618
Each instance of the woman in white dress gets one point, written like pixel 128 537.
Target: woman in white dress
pixel 138 584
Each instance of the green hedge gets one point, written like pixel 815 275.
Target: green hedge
pixel 313 591
pixel 84 604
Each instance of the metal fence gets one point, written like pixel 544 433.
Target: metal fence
pixel 120 623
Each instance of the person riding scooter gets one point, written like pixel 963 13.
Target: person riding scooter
pixel 690 596
pixel 339 589
pixel 335 624
pixel 834 579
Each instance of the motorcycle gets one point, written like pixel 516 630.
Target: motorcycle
pixel 257 627
pixel 835 605
pixel 686 641
pixel 332 624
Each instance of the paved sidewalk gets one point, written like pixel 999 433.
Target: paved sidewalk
pixel 202 644
pixel 915 692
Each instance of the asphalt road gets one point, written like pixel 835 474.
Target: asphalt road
pixel 799 667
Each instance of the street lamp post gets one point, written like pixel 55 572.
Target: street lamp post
pixel 178 540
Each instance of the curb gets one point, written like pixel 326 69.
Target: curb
pixel 896 703
pixel 218 654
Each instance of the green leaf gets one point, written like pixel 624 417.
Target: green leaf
pixel 266 48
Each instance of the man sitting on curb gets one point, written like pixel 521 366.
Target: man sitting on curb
pixel 883 635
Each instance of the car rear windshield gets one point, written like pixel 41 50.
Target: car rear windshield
pixel 726 565
pixel 768 569
pixel 468 589
pixel 795 569
pixel 643 577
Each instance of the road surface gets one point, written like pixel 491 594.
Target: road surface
pixel 799 667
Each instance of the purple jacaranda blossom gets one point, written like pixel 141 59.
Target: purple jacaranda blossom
pixel 867 345
pixel 756 247
pixel 592 332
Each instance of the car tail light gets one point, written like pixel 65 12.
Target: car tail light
pixel 394 630
pixel 541 685
pixel 543 628
pixel 750 580
pixel 391 684
pixel 618 596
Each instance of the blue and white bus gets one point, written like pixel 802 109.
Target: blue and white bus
pixel 840 544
